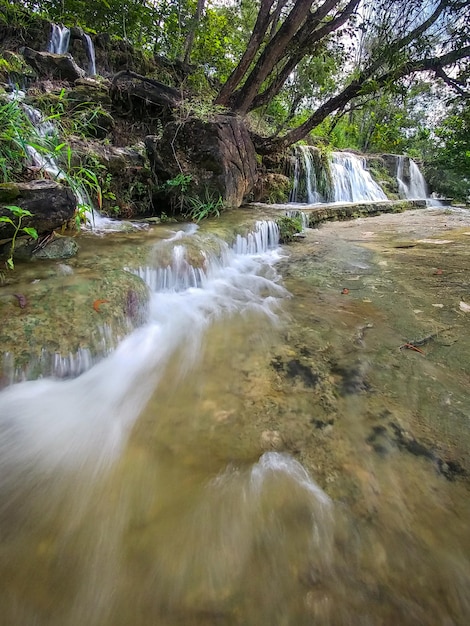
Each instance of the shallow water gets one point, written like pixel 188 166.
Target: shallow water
pixel 261 452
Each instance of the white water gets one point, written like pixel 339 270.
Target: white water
pixel 45 162
pixel 90 51
pixel 59 39
pixel 413 186
pixel 350 179
pixel 59 42
pixel 84 423
pixel 352 182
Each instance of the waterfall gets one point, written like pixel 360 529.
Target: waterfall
pixel 50 423
pixel 301 215
pixel 43 131
pixel 344 179
pixel 305 185
pixel 90 52
pixel 411 183
pixel 59 39
pixel 351 180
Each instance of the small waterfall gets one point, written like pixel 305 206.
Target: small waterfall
pixel 44 130
pixel 188 260
pixel 301 215
pixel 351 180
pixel 59 39
pixel 50 423
pixel 411 183
pixel 306 185
pixel 344 178
pixel 90 52
pixel 263 238
pixel 59 42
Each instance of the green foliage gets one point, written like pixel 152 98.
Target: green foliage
pixel 217 41
pixel 18 213
pixel 448 160
pixel 15 129
pixel 288 228
pixel 201 209
pixel 200 108
pixel 179 182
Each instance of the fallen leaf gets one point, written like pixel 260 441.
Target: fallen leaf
pixel 438 306
pixel 97 304
pixel 464 306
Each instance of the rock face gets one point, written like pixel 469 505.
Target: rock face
pixel 142 96
pixel 48 65
pixel 218 155
pixel 50 203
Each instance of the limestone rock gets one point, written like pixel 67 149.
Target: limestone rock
pixel 49 65
pixel 218 155
pixel 60 248
pixel 50 203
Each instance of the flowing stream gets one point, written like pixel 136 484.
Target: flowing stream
pixel 257 449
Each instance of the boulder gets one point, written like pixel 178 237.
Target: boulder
pixel 217 157
pixel 49 65
pixel 140 96
pixel 50 203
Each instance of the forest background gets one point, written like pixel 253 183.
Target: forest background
pixel 377 77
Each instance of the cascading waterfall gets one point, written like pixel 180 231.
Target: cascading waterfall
pixel 301 215
pixel 192 267
pixel 59 39
pixel 411 182
pixel 64 443
pixel 351 180
pixel 305 183
pixel 90 52
pixel 347 180
pixel 45 161
pixel 59 42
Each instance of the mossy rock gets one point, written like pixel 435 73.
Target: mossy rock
pixel 272 188
pixel 289 227
pixel 8 192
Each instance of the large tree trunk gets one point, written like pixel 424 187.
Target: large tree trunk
pixel 259 32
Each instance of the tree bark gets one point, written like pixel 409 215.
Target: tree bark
pixel 276 50
pixel 302 45
pixel 188 44
pixel 259 32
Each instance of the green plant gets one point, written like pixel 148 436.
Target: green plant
pixel 19 213
pixel 202 209
pixel 180 181
pixel 288 228
pixel 15 127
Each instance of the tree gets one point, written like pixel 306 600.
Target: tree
pixel 448 167
pixel 399 39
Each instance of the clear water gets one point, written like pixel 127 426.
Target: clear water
pixel 260 451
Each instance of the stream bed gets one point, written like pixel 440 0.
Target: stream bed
pixel 250 435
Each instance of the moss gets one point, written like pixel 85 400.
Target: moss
pixel 8 192
pixel 288 228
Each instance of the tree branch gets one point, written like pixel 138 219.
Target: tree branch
pixel 354 89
